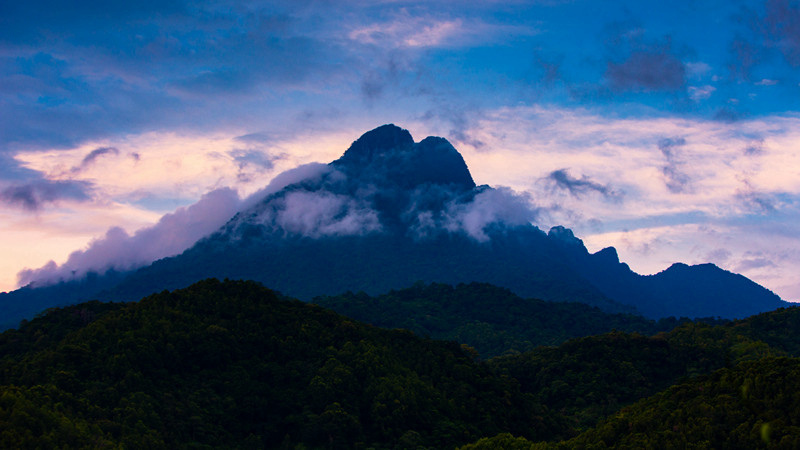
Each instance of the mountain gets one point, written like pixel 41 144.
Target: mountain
pixel 702 290
pixel 391 212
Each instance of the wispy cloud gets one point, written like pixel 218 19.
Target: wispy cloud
pixel 754 201
pixel 754 263
pixel 405 29
pixel 782 22
pixel 699 93
pixel 638 63
pixel 409 32
pixel 500 207
pixel 676 179
pixel 118 250
pixel 726 192
pixel 248 160
pixel 33 196
pixel 96 153
pixel 649 70
pixel 92 156
pixel 561 179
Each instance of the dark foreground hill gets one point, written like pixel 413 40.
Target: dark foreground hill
pixel 589 378
pixel 230 365
pixel 391 212
pixel 490 319
pixel 753 405
pixel 694 386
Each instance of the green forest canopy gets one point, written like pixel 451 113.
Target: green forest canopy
pixel 231 364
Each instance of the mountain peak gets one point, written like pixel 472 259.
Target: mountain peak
pixel 377 142
pixel 388 153
pixel 564 234
pixel 607 255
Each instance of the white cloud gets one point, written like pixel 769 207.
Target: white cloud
pixel 405 30
pixel 417 32
pixel 698 93
pixel 164 164
pixel 316 214
pixel 283 179
pixel 499 206
pixel 697 69
pixel 118 250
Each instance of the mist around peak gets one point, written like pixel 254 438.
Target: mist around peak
pixel 386 214
pixel 118 250
pixel 386 183
pixel 383 183
pixel 121 251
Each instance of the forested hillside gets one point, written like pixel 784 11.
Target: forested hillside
pixel 753 405
pixel 233 365
pixel 677 403
pixel 491 319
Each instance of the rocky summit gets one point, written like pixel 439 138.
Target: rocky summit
pixel 389 154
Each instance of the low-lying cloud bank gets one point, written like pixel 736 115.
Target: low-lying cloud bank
pixel 318 214
pixel 314 201
pixel 492 207
pixel 171 235
pixel 33 195
pixel 121 251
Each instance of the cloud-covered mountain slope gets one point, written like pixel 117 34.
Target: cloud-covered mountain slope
pixel 391 212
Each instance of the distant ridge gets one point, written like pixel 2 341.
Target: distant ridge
pixel 702 290
pixel 390 212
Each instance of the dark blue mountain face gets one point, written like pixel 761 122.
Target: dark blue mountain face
pixel 702 290
pixel 391 212
pixel 387 156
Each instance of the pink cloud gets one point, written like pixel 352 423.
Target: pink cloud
pixel 118 250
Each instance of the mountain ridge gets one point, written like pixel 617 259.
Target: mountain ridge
pixel 390 212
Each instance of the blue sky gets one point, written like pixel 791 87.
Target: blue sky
pixel 666 129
